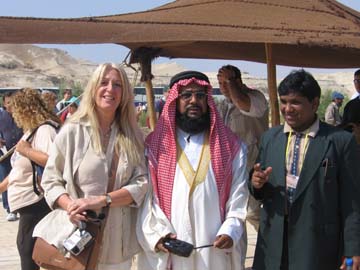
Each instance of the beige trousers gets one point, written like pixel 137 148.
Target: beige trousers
pixel 253 217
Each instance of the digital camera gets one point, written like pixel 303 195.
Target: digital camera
pixel 178 247
pixel 78 241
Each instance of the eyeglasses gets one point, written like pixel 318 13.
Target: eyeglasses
pixel 356 80
pixel 186 95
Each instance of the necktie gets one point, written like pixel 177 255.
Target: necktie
pixel 294 165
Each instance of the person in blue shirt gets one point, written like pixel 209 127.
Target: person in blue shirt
pixel 159 104
pixel 10 134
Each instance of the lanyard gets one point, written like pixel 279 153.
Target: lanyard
pixel 304 146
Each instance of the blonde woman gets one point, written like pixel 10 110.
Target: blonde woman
pixel 29 112
pixel 76 176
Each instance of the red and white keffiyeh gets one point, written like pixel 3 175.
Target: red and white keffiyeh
pixel 161 150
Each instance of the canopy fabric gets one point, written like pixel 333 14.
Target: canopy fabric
pixel 306 33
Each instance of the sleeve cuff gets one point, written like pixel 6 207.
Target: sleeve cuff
pixel 137 193
pixel 53 194
pixel 258 105
pixel 232 227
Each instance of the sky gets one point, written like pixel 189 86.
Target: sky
pixel 99 53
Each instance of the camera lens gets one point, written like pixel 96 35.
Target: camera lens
pixel 75 250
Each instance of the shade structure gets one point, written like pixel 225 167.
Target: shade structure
pixel 307 33
pixel 304 33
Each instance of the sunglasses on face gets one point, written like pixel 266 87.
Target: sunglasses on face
pixel 186 95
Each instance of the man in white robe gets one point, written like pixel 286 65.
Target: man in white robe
pixel 198 173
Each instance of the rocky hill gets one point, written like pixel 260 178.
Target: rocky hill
pixel 32 66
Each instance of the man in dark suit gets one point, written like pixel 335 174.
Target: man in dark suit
pixel 308 180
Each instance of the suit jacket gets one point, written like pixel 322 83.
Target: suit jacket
pixel 324 219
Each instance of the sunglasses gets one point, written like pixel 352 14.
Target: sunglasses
pixel 186 95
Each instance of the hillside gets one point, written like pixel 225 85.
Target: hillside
pixel 32 66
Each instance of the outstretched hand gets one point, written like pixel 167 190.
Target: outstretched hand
pixel 259 176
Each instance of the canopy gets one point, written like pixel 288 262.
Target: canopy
pixel 304 33
pixel 307 33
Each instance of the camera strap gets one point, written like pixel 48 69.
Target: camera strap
pixel 204 246
pixel 94 258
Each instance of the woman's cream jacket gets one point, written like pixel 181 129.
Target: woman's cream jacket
pixel 71 145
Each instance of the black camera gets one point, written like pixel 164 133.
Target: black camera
pixel 178 247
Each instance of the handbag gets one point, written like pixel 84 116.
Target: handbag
pixel 49 257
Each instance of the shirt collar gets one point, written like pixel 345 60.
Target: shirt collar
pixel 312 130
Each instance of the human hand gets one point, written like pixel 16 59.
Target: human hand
pixel 226 79
pixel 2 142
pixel 4 184
pixel 160 246
pixel 226 74
pixel 356 263
pixel 23 147
pixel 259 176
pixel 223 241
pixel 76 209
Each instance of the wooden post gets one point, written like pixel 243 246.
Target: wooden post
pixel 150 103
pixel 271 71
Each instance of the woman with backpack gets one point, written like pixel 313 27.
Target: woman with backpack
pixel 24 193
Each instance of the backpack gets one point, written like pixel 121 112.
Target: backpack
pixel 36 168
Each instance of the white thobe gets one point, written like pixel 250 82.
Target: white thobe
pixel 195 218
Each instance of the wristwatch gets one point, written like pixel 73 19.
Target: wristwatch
pixel 108 199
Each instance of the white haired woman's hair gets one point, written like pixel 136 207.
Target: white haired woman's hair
pixel 130 138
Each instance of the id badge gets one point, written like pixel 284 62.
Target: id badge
pixel 291 181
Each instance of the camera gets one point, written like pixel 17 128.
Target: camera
pixel 78 240
pixel 178 247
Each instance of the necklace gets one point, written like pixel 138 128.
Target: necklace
pixel 106 133
pixel 105 137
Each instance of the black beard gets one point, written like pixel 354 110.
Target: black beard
pixel 191 125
